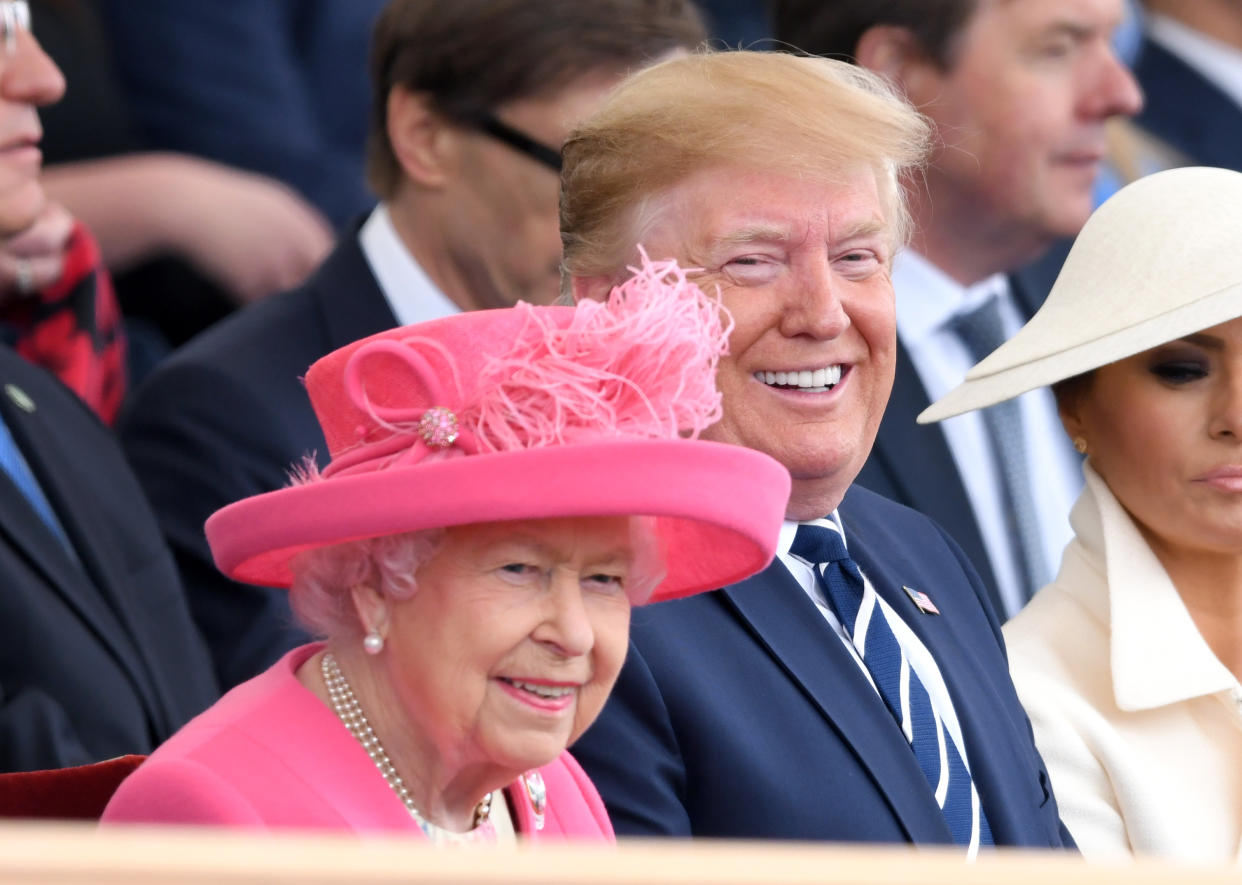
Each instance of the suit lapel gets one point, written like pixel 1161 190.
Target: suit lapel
pixel 952 638
pixel 360 316
pixel 917 460
pixel 1030 284
pixel 27 533
pixel 792 630
pixel 86 586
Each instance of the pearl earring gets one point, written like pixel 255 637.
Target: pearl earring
pixel 1080 444
pixel 373 643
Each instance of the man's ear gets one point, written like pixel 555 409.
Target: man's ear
pixel 422 140
pixel 596 288
pixel 894 53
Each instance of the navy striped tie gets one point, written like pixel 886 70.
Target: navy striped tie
pixel 858 607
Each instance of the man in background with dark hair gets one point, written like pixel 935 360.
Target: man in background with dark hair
pixel 471 102
pixel 1019 92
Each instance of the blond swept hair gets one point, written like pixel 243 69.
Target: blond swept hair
pixel 803 116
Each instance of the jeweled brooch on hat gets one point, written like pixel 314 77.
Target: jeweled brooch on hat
pixel 438 427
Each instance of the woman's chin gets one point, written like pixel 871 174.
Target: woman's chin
pixel 520 750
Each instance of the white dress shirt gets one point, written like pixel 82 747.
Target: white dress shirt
pixel 927 302
pixel 411 294
pixel 1138 721
pixel 921 660
pixel 1219 63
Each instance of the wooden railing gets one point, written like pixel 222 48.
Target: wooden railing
pixel 72 853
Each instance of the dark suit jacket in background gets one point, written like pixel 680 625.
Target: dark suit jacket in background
pixel 911 463
pixel 1187 111
pixel 165 299
pixel 279 87
pixel 740 714
pixel 98 658
pixel 226 417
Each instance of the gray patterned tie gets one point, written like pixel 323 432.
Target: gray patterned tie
pixel 982 331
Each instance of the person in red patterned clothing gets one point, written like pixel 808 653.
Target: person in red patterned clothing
pixel 57 305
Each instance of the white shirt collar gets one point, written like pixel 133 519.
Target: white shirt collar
pixel 789 528
pixel 1219 63
pixel 411 294
pixel 927 297
pixel 1158 655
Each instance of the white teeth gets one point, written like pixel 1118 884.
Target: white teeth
pixel 805 379
pixel 544 691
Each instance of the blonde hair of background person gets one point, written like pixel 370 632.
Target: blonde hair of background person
pixel 679 116
pixel 1129 661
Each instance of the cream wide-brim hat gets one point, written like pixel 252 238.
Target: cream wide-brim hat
pixel 1161 259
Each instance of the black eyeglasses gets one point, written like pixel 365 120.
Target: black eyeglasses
pixel 521 142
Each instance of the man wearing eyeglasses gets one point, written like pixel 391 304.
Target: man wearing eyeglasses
pixel 471 102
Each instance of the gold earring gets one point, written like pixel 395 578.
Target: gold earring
pixel 1080 444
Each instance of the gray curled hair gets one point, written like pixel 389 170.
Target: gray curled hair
pixel 322 577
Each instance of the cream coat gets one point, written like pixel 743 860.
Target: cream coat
pixel 1138 721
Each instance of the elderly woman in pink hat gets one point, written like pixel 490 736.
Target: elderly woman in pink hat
pixel 504 486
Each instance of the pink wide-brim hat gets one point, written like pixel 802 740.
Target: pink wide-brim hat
pixel 527 413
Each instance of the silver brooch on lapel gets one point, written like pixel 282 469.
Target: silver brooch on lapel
pixel 538 795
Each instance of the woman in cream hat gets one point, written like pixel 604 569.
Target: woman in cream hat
pixel 504 486
pixel 1129 662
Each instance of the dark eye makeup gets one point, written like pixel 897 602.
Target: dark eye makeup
pixel 1179 371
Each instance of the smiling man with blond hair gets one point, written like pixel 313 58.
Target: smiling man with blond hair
pixel 856 690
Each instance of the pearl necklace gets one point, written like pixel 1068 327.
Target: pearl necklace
pixel 349 711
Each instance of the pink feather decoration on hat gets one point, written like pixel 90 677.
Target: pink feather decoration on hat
pixel 642 363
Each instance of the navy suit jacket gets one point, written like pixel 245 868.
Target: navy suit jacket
pixel 279 87
pixel 226 417
pixel 1187 111
pixel 98 656
pixel 911 463
pixel 740 714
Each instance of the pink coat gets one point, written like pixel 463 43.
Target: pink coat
pixel 270 754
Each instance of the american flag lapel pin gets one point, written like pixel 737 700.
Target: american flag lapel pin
pixel 922 600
